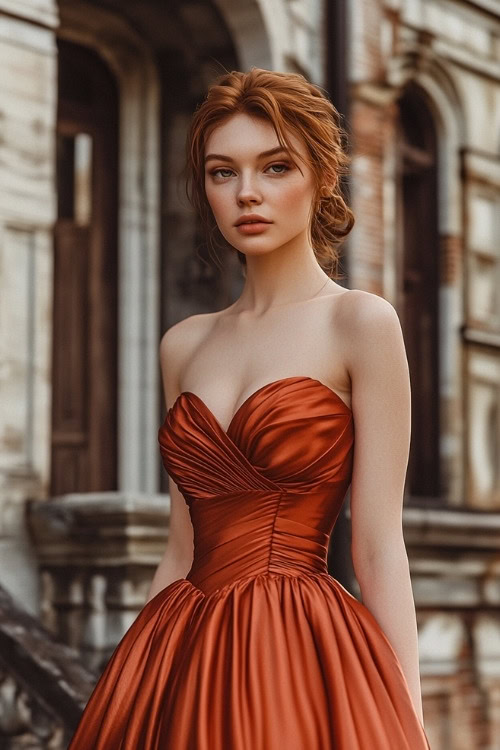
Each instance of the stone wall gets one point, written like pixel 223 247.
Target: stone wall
pixel 27 212
pixel 450 52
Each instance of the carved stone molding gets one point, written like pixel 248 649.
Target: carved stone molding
pixel 43 685
pixel 97 555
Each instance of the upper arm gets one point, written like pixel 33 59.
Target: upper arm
pixel 381 405
pixel 172 354
pixel 177 345
pixel 174 351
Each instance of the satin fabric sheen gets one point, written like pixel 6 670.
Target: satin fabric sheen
pixel 258 647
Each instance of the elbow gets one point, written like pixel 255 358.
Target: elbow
pixel 384 561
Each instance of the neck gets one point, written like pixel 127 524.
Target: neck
pixel 287 274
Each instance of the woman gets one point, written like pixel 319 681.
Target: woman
pixel 246 642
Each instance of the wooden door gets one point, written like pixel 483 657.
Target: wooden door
pixel 85 335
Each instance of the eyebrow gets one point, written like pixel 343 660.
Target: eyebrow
pixel 271 152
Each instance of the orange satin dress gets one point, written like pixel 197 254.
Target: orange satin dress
pixel 258 647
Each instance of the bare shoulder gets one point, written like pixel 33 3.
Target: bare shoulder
pixel 186 332
pixel 366 322
pixel 177 345
pixel 360 308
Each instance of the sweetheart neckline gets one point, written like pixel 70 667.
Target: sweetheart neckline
pixel 255 393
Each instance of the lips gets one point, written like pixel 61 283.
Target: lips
pixel 252 219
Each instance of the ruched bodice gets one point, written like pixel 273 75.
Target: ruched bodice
pixel 291 434
pixel 265 494
pixel 258 646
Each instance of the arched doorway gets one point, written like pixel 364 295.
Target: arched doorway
pixel 163 57
pixel 84 358
pixel 418 287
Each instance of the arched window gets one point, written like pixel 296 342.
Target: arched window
pixel 418 284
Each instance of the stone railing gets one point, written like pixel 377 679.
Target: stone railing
pixel 97 556
pixel 43 685
pixel 455 568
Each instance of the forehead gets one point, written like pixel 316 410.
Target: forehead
pixel 246 135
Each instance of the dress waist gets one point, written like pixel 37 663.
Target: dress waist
pixel 235 538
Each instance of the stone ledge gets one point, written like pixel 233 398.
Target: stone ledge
pixel 103 528
pixel 439 527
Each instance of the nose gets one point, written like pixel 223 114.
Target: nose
pixel 248 191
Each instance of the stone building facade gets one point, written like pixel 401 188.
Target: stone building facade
pixel 425 115
pixel 99 253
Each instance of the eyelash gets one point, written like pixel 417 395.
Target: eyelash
pixel 227 169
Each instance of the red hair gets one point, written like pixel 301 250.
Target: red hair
pixel 289 102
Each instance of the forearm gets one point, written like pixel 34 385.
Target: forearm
pixel 386 590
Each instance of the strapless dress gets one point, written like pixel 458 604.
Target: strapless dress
pixel 258 647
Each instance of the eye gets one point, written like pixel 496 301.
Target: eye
pixel 280 167
pixel 217 172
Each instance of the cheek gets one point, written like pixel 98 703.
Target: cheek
pixel 217 199
pixel 209 194
pixel 296 199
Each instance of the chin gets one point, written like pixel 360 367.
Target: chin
pixel 257 245
pixel 256 250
